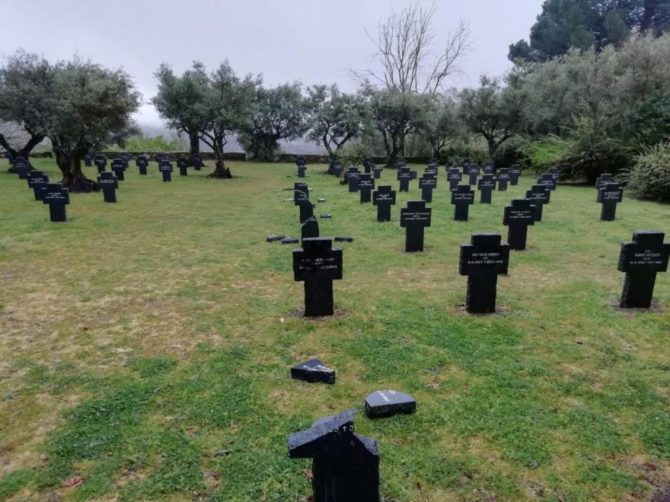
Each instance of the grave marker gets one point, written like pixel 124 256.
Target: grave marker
pixel 604 178
pixel 386 403
pixel 366 184
pixel 548 180
pixel 313 371
pixel 306 210
pixel 88 160
pixel 318 264
pixel 514 175
pixel 414 218
pixel 119 167
pixel 182 164
pixel 300 192
pixel 142 163
pixel 609 195
pixel 376 171
pixel 109 184
pixel 462 198
pixel 539 195
pixel 503 178
pixel 427 184
pixel 384 198
pixel 165 168
pixel 404 176
pixel 454 177
pixel 353 176
pixel 517 218
pixel 309 229
pixel 100 162
pixel 486 185
pixel 301 163
pixel 473 171
pixel 197 162
pixel 345 466
pixel 641 260
pixel 37 180
pixel 482 261
pixel 22 167
pixel 57 197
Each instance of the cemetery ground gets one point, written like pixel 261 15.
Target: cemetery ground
pixel 145 346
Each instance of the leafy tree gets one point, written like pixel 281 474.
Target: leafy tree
pixel 492 111
pixel 277 113
pixel 90 107
pixel 583 24
pixel 181 101
pixel 26 91
pixel 395 116
pixel 334 117
pixel 441 122
pixel 228 108
pixel 159 143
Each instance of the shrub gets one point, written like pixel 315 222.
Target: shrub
pixel 546 152
pixel 649 178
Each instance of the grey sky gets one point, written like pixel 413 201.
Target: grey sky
pixel 315 41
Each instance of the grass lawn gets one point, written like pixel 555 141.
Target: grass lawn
pixel 138 341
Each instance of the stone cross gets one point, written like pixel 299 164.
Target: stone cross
pixel 641 260
pixel 517 218
pixel 301 163
pixel 345 466
pixel 376 171
pixel 306 210
pixel 405 175
pixel 473 172
pixel 318 264
pixel 367 166
pixel 548 180
pixel 309 229
pixel 427 184
pixel 165 167
pixel 604 178
pixel 353 176
pixel 57 196
pixel 482 261
pixel 454 177
pixel 540 195
pixel 37 180
pixel 486 185
pixel 384 198
pixel 119 167
pixel 109 184
pixel 366 184
pixel 300 192
pixel 88 160
pixel 514 174
pixel 414 218
pixel 503 178
pixel 100 162
pixel 609 195
pixel 142 163
pixel 462 198
pixel 22 167
pixel 182 164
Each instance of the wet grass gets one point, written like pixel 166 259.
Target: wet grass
pixel 145 347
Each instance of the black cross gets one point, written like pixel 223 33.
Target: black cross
pixel 301 163
pixel 37 180
pixel 540 195
pixel 300 192
pixel 119 167
pixel 482 261
pixel 353 176
pixel 366 184
pixel 57 196
pixel 454 177
pixel 100 162
pixel 197 162
pixel 306 210
pixel 345 466
pixel 462 198
pixel 142 163
pixel 88 160
pixel 367 165
pixel 486 185
pixel 383 198
pixel 517 218
pixel 604 178
pixel 427 184
pixel 22 167
pixel 609 195
pixel 548 180
pixel 473 172
pixel 165 167
pixel 109 184
pixel 318 264
pixel 514 174
pixel 503 179
pixel 641 260
pixel 376 171
pixel 414 218
pixel 182 164
pixel 405 175
pixel 309 229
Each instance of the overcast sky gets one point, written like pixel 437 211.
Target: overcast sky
pixel 314 41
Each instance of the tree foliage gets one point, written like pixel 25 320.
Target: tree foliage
pixel 278 113
pixel 585 24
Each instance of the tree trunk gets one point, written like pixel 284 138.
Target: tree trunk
pixel 73 178
pixel 194 143
pixel 221 171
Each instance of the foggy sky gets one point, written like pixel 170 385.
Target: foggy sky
pixel 314 41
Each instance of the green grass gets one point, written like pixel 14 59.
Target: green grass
pixel 138 341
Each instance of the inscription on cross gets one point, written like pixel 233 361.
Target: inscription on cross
pixel 462 198
pixel 517 218
pixel 57 197
pixel 353 177
pixel 109 184
pixel 482 261
pixel 37 180
pixel 539 195
pixel 454 177
pixel 165 168
pixel 427 184
pixel 142 163
pixel 503 179
pixel 366 184
pixel 318 264
pixel 119 167
pixel 486 185
pixel 414 219
pixel 609 195
pixel 641 260
pixel 384 198
pixel 405 175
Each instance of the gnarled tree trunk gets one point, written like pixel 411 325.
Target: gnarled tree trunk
pixel 221 170
pixel 73 177
pixel 22 152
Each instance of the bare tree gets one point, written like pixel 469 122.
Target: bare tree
pixel 405 52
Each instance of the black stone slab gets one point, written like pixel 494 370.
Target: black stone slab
pixel 306 210
pixel 313 371
pixel 414 218
pixel 182 165
pixel 57 197
pixel 386 403
pixel 384 198
pixel 165 168
pixel 503 178
pixel 119 168
pixel 517 218
pixel 539 195
pixel 427 184
pixel 345 466
pixel 486 185
pixel 454 177
pixel 318 264
pixel 641 260
pixel 482 261
pixel 108 183
pixel 366 184
pixel 310 228
pixel 609 195
pixel 462 198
